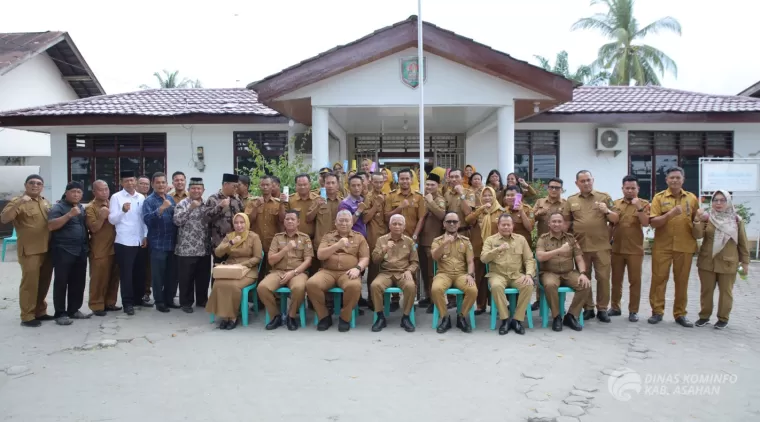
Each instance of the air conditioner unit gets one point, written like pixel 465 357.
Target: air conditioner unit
pixel 611 139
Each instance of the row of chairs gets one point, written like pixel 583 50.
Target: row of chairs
pixel 12 240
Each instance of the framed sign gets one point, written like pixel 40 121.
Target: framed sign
pixel 410 71
pixel 731 176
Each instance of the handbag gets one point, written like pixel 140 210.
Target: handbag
pixel 230 271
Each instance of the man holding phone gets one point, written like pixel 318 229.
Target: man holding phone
pixel 522 214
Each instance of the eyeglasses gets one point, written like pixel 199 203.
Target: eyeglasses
pixel 720 201
pixel 555 187
pixel 451 221
pixel 34 183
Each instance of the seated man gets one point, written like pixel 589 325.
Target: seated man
pixel 396 254
pixel 289 256
pixel 510 264
pixel 456 266
pixel 559 255
pixel 344 254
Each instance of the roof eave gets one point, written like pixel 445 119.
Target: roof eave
pixel 132 119
pixel 83 63
pixel 33 53
pixel 664 117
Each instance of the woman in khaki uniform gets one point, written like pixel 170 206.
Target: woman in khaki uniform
pixel 526 189
pixel 494 180
pixel 484 221
pixel 724 246
pixel 241 246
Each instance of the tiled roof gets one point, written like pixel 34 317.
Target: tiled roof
pixel 652 99
pixel 158 102
pixel 17 47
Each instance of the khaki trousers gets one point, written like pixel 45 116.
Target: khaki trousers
pixel 104 282
pixel 36 273
pixel 385 280
pixel 443 282
pixel 725 282
pixel 271 282
pixel 661 262
pixel 600 262
pixel 498 284
pixel 552 282
pixel 372 271
pixel 621 262
pixel 324 280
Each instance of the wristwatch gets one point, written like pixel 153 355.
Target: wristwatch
pixel 359 268
pixel 414 237
pixel 471 275
pixel 358 213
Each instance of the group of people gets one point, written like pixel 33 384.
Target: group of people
pixel 457 232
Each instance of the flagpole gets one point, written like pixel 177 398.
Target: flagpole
pixel 421 82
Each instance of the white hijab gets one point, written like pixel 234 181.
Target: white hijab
pixel 726 224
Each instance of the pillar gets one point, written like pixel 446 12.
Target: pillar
pixel 505 128
pixel 320 137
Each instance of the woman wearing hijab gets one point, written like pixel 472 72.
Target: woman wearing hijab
pixel 484 221
pixel 242 246
pixel 387 181
pixel 724 247
pixel 469 169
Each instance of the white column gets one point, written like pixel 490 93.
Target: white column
pixel 505 118
pixel 320 138
pixel 291 146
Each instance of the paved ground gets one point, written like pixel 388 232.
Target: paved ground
pixel 178 367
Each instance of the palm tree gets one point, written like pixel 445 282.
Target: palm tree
pixel 624 58
pixel 584 75
pixel 171 80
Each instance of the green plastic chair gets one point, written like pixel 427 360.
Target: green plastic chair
pixel 284 292
pixel 244 297
pixel 543 307
pixel 512 294
pixel 460 296
pixel 387 305
pixel 337 301
pixel 12 240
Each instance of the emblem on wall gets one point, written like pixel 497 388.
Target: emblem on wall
pixel 410 71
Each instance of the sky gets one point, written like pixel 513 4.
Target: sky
pixel 230 43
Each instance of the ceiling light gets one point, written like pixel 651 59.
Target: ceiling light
pixel 535 107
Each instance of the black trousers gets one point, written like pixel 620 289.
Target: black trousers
pixel 194 273
pixel 70 279
pixel 131 273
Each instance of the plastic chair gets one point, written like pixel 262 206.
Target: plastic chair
pixel 244 297
pixel 387 305
pixel 512 294
pixel 9 241
pixel 543 308
pixel 337 301
pixel 284 292
pixel 460 296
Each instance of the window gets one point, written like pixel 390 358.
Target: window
pixel 650 154
pixel 104 156
pixel 270 144
pixel 537 154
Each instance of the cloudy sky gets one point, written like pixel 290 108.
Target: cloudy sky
pixel 227 43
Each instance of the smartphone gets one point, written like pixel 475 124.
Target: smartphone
pixel 518 201
pixel 323 193
pixel 286 191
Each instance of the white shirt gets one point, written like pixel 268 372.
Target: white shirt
pixel 130 227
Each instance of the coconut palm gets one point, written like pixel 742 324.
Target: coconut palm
pixel 584 75
pixel 625 57
pixel 172 80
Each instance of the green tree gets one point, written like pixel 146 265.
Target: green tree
pixel 584 75
pixel 625 58
pixel 172 80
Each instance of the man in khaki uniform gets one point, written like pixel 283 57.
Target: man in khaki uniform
pixel 628 247
pixel 302 201
pixel 510 264
pixel 264 213
pixel 344 254
pixel 433 227
pixel 29 214
pixel 456 266
pixel 544 207
pixel 104 273
pixel 522 217
pixel 179 182
pixel 672 218
pixel 562 264
pixel 589 213
pixel 396 254
pixel 289 256
pixel 374 218
pixel 461 201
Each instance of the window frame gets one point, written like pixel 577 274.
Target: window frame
pixel 535 142
pixel 261 134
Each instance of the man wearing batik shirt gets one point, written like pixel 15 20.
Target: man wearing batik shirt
pixel 193 248
pixel 220 208
pixel 355 204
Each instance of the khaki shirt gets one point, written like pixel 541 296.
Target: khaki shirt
pixel 344 259
pixel 324 222
pixel 455 256
pixel 676 235
pixel 517 221
pixel 101 243
pixel 413 213
pixel 565 261
pixel 727 260
pixel 402 257
pixel 590 226
pixel 31 223
pixel 303 206
pixel 376 227
pixel 178 197
pixel 267 222
pixel 454 203
pixel 433 226
pixel 295 257
pixel 628 237
pixel 512 262
pixel 550 207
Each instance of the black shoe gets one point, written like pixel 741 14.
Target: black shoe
pixel 395 306
pixel 504 327
pixel 113 308
pixel 31 324
pixel 187 309
pixel 100 313
pixel 557 323
pixel 223 324
pixel 654 319
pixel 571 322
pixel 633 317
pixel 517 326
pixel 614 312
pixel 406 324
pixel 480 311
pixel 720 325
pixel 292 324
pixel 603 317
pixel 275 322
pixel 379 324
pixel 173 305
pixel 702 322
pixel 363 303
pixel 424 302
pixel 589 315
pixel 231 325
pixel 684 322
pixel 463 324
pixel 129 310
pixel 445 325
pixel 534 306
pixel 324 323
pixel 162 308
pixel 343 326
pixel 45 317
pixel 429 309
